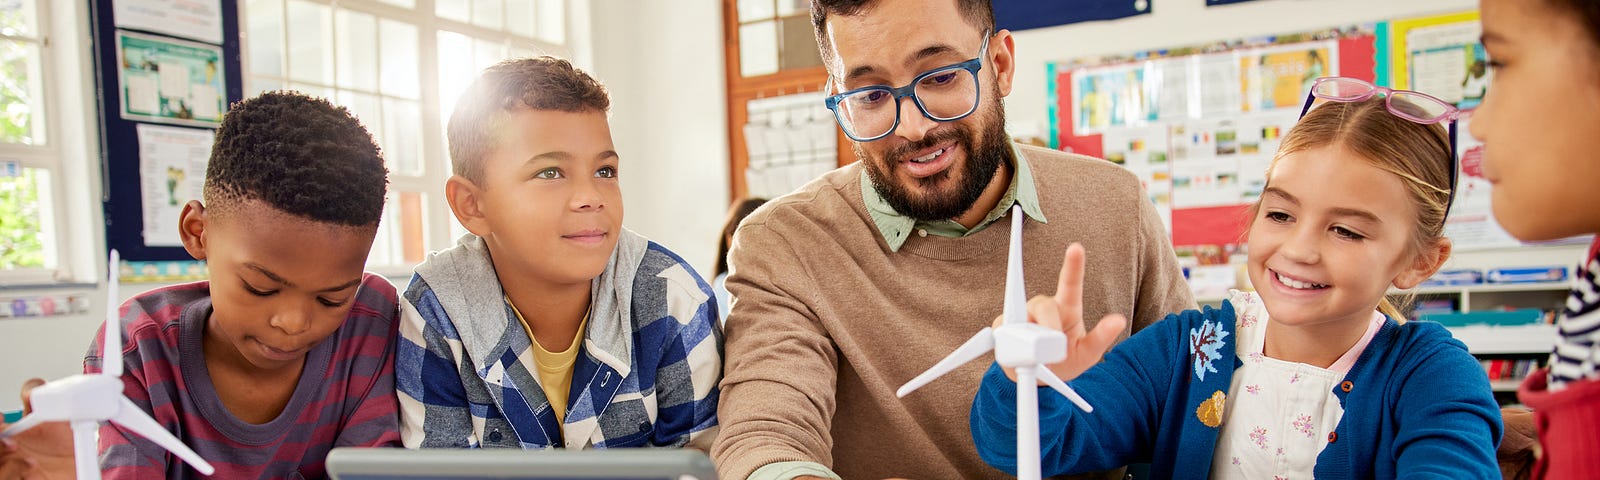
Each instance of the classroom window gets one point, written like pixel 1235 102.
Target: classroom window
pixel 774 36
pixel 29 163
pixel 398 66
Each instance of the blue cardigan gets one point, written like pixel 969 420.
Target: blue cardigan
pixel 1419 406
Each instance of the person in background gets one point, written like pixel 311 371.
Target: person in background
pixel 736 213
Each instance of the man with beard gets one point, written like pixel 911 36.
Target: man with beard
pixel 855 283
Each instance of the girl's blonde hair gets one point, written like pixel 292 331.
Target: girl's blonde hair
pixel 1419 154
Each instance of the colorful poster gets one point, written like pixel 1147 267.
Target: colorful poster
pixel 170 81
pixel 1440 55
pixel 1280 77
pixel 1143 151
pixel 1447 61
pixel 1113 96
pixel 172 171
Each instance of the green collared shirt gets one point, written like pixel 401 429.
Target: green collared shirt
pixel 896 228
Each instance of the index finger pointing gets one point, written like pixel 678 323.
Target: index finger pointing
pixel 1069 291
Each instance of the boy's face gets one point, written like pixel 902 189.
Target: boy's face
pixel 1539 120
pixel 280 284
pixel 550 205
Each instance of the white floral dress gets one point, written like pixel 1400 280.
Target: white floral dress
pixel 1279 413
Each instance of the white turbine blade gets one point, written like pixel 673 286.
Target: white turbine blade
pixel 1027 425
pixel 1016 304
pixel 111 345
pixel 1055 382
pixel 86 449
pixel 979 344
pixel 133 418
pixel 25 423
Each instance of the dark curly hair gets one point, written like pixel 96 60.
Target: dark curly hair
pixel 299 154
pixel 539 83
pixel 978 13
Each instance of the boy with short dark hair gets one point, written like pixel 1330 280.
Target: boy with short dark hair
pixel 550 325
pixel 288 350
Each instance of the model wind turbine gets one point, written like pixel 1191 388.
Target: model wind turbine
pixel 88 399
pixel 1018 344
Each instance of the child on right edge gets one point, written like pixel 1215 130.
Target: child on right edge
pixel 1539 124
pixel 1312 375
pixel 550 325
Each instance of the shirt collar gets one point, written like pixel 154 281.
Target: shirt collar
pixel 897 228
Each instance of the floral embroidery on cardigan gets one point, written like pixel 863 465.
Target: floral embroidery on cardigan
pixel 1205 345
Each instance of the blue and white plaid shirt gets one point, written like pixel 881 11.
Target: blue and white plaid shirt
pixel 652 357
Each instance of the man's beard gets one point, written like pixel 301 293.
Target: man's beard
pixel 929 202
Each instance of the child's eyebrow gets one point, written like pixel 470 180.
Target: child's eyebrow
pixel 274 277
pixel 1358 213
pixel 562 156
pixel 1336 211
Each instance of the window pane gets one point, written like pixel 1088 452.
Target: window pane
pixel 21 107
pixel 25 235
pixel 310 33
pixel 407 4
pixel 386 244
pixel 455 73
pixel 799 49
pixel 486 54
pixel 399 44
pixel 265 37
pixel 758 49
pixel 521 52
pixel 488 13
pixel 18 18
pixel 315 91
pixel 520 18
pixel 358 50
pixel 795 7
pixel 402 136
pixel 458 10
pixel 367 109
pixel 553 21
pixel 400 240
pixel 411 227
pixel 751 10
pixel 263 84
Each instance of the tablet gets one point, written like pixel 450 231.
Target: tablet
pixel 509 464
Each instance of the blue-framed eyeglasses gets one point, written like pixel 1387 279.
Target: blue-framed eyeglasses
pixel 1411 105
pixel 944 94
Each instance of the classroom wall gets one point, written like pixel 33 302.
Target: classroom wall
pixel 662 62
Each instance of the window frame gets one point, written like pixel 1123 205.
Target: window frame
pixel 47 155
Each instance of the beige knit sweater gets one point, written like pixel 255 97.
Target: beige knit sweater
pixel 827 322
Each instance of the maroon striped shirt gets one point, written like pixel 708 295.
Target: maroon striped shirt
pixel 345 396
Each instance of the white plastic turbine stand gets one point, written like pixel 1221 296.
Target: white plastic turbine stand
pixel 1018 344
pixel 88 399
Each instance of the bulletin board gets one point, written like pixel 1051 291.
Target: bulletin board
pixel 1025 15
pixel 1200 124
pixel 154 148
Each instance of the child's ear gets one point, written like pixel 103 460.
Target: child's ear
pixel 466 201
pixel 1425 265
pixel 192 229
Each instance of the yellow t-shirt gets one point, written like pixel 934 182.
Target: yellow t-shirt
pixel 554 368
